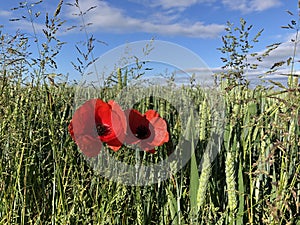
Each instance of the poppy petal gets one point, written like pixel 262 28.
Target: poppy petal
pixel 115 144
pixel 119 123
pixel 90 146
pixel 71 131
pixel 95 113
pixel 147 147
pixel 83 121
pixel 102 112
pixel 151 128
pixel 111 115
pixel 159 125
pixel 160 132
pixel 150 114
pixel 135 120
pixel 152 151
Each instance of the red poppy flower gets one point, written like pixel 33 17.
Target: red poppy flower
pixel 148 130
pixel 95 122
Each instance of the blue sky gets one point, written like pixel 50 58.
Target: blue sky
pixel 194 24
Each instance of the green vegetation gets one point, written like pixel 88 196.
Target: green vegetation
pixel 44 179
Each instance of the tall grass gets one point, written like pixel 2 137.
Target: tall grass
pixel 44 179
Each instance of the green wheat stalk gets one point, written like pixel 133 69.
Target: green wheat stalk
pixel 231 181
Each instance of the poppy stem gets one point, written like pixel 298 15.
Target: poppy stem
pixel 137 163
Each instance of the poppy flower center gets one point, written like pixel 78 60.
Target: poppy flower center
pixel 102 129
pixel 142 132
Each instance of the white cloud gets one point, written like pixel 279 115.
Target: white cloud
pixel 25 25
pixel 247 6
pixel 164 17
pixel 5 13
pixel 282 53
pixel 176 5
pixel 111 19
pixel 167 4
pixel 259 5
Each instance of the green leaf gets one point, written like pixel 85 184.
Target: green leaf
pixel 172 204
pixel 241 189
pixel 193 184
